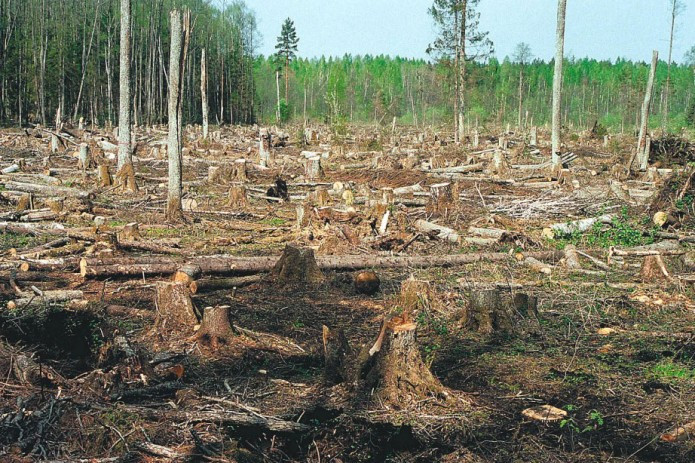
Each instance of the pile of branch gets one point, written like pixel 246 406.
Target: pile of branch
pixel 671 149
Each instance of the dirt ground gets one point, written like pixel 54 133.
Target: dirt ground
pixel 614 351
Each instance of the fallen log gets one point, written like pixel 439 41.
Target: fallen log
pixel 578 226
pixel 46 190
pixel 45 298
pixel 443 233
pixel 225 265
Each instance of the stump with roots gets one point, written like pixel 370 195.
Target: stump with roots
pixel 215 330
pixel 297 266
pixel 393 367
pixel 175 311
pixel 104 176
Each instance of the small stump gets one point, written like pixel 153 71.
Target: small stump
pixel 441 199
pixel 215 330
pixel 297 266
pixel 237 197
pixel 487 314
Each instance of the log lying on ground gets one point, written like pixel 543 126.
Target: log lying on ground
pixel 225 265
pixel 443 233
pixel 46 297
pixel 46 190
pixel 567 228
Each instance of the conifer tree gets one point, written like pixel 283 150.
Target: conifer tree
pixel 287 49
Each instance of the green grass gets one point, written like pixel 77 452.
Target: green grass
pixel 275 222
pixel 624 231
pixel 668 371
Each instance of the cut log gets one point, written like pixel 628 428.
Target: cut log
pixel 215 330
pixel 47 297
pixel 579 226
pixel 46 190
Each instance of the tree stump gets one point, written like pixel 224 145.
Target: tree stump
pixel 654 269
pixel 237 197
pixel 500 166
pixel 441 199
pixel 486 312
pixel 336 351
pixel 312 168
pixel 240 172
pixel 320 197
pixel 525 304
pixel 387 196
pixel 533 139
pixel 303 215
pixel 126 177
pixel 265 148
pixel 130 232
pixel 104 175
pixel 175 311
pixel 571 257
pixel 84 160
pixel 215 330
pixel 297 266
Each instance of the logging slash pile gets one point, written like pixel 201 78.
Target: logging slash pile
pixel 377 296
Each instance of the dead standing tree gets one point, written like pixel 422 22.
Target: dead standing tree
pixel 180 33
pixel 204 92
pixel 126 173
pixel 642 152
pixel 557 80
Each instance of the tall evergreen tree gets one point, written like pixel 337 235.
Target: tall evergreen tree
pixel 459 39
pixel 287 49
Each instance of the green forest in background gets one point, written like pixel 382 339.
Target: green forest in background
pixel 64 54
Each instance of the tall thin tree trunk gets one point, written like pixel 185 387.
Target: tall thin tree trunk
pixel 125 156
pixel 462 72
pixel 521 94
pixel 177 60
pixel 642 153
pixel 664 113
pixel 557 80
pixel 277 86
pixel 204 92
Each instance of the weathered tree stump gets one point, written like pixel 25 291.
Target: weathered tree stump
pixel 84 161
pixel 130 232
pixel 126 178
pixel 175 311
pixel 654 269
pixel 441 199
pixel 571 257
pixel 265 150
pixel 500 166
pixel 312 168
pixel 336 352
pixel 237 197
pixel 486 312
pixel 240 171
pixel 297 266
pixel 215 330
pixel 104 175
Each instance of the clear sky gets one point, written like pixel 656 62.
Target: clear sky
pixel 602 29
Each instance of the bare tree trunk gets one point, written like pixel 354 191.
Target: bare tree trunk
pixel 557 80
pixel 521 95
pixel 177 59
pixel 462 73
pixel 204 92
pixel 664 114
pixel 125 156
pixel 642 153
pixel 277 86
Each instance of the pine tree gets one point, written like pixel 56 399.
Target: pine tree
pixel 461 39
pixel 287 49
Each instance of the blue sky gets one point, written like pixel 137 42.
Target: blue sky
pixel 603 29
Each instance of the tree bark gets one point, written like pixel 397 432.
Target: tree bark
pixel 557 81
pixel 204 92
pixel 215 329
pixel 125 152
pixel 174 212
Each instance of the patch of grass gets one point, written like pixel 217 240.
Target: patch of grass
pixel 667 371
pixel 162 232
pixel 624 231
pixel 117 223
pixel 10 240
pixel 275 222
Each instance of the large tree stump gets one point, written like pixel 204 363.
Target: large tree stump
pixel 312 168
pixel 175 311
pixel 297 266
pixel 215 330
pixel 654 269
pixel 393 367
